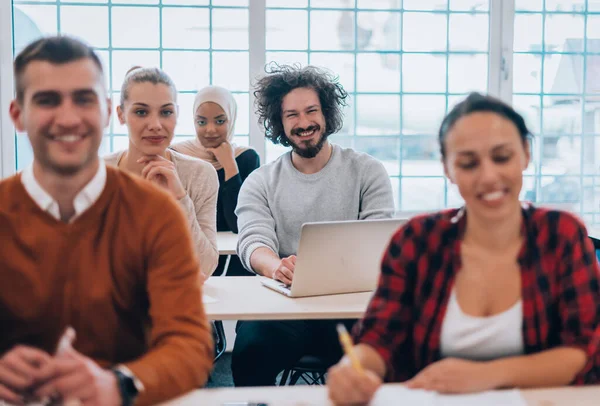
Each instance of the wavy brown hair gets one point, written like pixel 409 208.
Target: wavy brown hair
pixel 282 79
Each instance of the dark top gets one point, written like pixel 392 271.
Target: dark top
pixel 229 190
pixel 559 282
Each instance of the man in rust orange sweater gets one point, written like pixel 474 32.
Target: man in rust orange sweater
pixel 93 248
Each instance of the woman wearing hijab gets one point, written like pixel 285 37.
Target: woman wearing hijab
pixel 215 112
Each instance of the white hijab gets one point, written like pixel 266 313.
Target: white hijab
pixel 225 99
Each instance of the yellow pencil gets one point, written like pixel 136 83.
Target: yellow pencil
pixel 348 347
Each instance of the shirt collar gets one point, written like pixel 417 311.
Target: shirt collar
pixel 83 201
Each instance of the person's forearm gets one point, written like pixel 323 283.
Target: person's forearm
pixel 231 169
pixel 264 261
pixel 556 367
pixel 369 359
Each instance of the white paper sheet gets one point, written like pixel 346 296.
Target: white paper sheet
pixel 495 398
pixel 398 395
pixel 208 299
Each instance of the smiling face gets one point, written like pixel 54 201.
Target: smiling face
pixel 212 125
pixel 64 111
pixel 485 158
pixel 303 121
pixel 150 114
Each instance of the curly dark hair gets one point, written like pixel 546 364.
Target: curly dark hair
pixel 282 79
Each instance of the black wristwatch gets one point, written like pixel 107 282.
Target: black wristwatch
pixel 129 386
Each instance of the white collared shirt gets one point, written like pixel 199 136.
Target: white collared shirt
pixel 83 201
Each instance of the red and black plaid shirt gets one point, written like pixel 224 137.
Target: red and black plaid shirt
pixel 560 291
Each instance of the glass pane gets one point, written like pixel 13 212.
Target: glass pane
pixel 467 73
pixel 384 149
pixel 288 58
pixel 87 22
pixel 564 33
pixel 334 30
pixel 24 151
pixel 591 118
pixel 242 140
pixel 142 34
pixel 529 5
pixel 422 194
pixel 421 156
pixel 373 76
pixel 135 1
pixel 230 29
pixel 591 155
pixel 124 60
pixel 241 3
pixel 274 151
pixel 560 117
pixel 527 73
pixel 455 200
pixel 422 114
pixel 423 73
pixel 469 32
pixel 287 29
pixel 591 194
pixel 230 70
pixel 379 30
pixel 593 33
pixel 529 107
pixel 339 63
pixel 185 28
pixel 34 21
pixel 187 2
pixel 243 111
pixel 566 5
pixel 563 73
pixel 287 3
pixel 378 114
pixel 377 4
pixel 528 32
pixel 332 3
pixel 120 143
pixel 426 4
pixel 424 32
pixel 561 154
pixel 185 120
pixel 190 70
pixel 470 5
pixel 563 192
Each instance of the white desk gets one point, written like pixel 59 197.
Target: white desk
pixel 227 242
pixel 317 395
pixel 244 298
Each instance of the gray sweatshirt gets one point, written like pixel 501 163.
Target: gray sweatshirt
pixel 276 199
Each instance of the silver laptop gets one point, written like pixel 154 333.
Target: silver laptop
pixel 338 257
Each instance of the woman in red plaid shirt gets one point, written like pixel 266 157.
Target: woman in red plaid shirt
pixel 496 294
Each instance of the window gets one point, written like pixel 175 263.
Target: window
pixel 405 63
pixel 557 87
pixel 197 42
pixel 404 66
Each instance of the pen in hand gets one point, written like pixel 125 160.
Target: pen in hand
pixel 348 347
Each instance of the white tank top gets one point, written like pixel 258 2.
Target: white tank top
pixel 481 338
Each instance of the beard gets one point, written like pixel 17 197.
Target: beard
pixel 304 148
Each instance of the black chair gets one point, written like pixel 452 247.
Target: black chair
pixel 219 338
pixel 311 369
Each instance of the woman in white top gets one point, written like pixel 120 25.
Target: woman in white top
pixel 495 294
pixel 148 108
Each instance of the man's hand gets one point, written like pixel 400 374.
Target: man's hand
pixel 285 271
pixel 19 369
pixel 73 378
